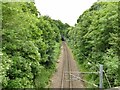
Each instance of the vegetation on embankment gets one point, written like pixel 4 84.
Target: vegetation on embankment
pixel 30 46
pixel 95 40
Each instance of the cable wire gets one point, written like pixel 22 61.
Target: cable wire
pixel 107 79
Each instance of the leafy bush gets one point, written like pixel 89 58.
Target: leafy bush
pixel 30 46
pixel 95 40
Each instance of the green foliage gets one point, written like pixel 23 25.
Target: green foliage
pixel 4 66
pixel 95 40
pixel 30 46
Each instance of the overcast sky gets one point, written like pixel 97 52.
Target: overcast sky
pixel 67 11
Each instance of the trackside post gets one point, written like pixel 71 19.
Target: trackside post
pixel 101 76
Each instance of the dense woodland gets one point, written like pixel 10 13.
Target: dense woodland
pixel 31 44
pixel 95 40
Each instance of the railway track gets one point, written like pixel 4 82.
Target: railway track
pixel 67 67
pixel 66 77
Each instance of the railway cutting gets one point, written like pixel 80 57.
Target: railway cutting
pixel 66 68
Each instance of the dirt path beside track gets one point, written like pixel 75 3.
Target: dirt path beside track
pixel 67 70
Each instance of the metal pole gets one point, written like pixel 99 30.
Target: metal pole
pixel 101 76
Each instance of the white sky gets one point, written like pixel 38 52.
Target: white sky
pixel 67 11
